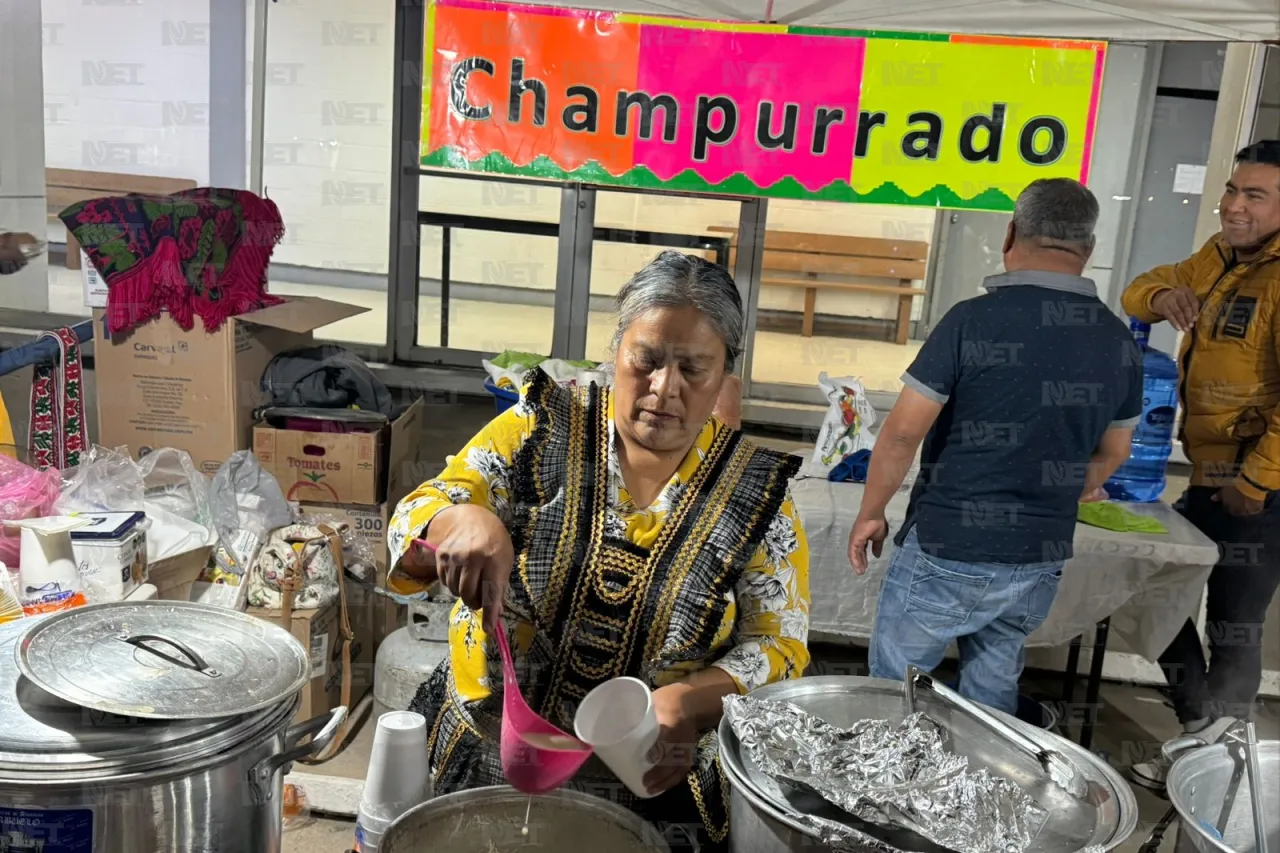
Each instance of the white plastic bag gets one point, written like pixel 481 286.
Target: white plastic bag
pixel 847 427
pixel 247 504
pixel 165 485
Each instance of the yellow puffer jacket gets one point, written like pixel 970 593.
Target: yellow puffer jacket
pixel 1228 364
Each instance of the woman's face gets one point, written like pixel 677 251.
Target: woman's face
pixel 667 375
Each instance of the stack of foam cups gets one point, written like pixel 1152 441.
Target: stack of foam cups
pixel 398 777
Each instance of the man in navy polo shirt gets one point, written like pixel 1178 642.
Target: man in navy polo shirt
pixel 1025 399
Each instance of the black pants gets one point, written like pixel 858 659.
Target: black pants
pixel 1240 590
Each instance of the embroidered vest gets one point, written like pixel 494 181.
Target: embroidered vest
pixel 604 607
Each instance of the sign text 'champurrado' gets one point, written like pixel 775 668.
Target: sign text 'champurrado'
pixel 755 109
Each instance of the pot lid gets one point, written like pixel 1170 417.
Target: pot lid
pixel 41 729
pixel 163 660
pixel 841 701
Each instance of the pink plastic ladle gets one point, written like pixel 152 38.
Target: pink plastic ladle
pixel 537 757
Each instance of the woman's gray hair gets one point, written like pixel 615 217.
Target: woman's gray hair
pixel 677 280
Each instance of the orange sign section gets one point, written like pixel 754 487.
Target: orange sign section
pixel 546 87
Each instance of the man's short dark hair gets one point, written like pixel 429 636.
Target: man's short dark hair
pixel 1265 151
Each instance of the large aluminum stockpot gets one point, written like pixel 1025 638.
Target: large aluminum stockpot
pixel 75 777
pixel 765 817
pixel 485 819
pixel 1209 787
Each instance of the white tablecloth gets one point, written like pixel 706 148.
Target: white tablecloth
pixel 1149 584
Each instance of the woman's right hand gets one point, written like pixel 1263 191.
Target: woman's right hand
pixel 474 557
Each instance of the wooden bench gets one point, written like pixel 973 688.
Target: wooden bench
pixel 65 187
pixel 828 262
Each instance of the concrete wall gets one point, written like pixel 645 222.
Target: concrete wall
pixel 22 199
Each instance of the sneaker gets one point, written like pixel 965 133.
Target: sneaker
pixel 1153 774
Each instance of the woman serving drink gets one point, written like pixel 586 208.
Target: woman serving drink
pixel 620 532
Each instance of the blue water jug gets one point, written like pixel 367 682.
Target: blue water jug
pixel 1141 478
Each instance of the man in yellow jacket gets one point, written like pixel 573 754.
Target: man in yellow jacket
pixel 1225 300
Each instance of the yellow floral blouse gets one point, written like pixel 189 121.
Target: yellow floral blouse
pixel 765 626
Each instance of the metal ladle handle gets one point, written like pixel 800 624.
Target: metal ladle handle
pixel 192 661
pixel 916 676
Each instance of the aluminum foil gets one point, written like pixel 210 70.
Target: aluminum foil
pixel 895 776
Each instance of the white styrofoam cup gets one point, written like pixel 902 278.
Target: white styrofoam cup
pixel 618 721
pixel 397 778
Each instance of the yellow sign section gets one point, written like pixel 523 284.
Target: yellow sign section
pixel 973 117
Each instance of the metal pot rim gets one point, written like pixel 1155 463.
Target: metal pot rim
pixel 590 802
pixel 1186 763
pixel 742 782
pixel 202 749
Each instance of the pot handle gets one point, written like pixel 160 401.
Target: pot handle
pixel 1176 747
pixel 321 730
pixel 1156 838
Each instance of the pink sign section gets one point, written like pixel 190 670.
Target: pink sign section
pixel 766 107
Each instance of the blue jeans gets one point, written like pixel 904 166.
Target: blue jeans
pixel 987 609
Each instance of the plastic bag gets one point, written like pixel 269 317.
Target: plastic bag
pixel 507 370
pixel 246 503
pixel 105 481
pixel 357 554
pixel 165 485
pixel 847 427
pixel 24 493
pixel 172 482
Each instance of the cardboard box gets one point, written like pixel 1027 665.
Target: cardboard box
pixel 341 468
pixel 368 522
pixel 173 577
pixel 319 633
pixel 160 386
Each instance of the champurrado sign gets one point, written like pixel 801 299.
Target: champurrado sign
pixel 947 121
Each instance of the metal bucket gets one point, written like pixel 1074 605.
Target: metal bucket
pixel 1209 788
pixel 486 819
pixel 764 818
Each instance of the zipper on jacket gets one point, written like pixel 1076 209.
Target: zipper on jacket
pixel 1227 267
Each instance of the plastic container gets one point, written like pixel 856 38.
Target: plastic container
pixel 111 552
pixel 503 398
pixel 1141 479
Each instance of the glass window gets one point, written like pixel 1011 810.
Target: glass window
pixel 841 287
pixel 326 159
pixel 649 223
pixel 1267 123
pixel 500 238
pixel 126 93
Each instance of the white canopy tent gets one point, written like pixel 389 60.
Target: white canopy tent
pixel 1113 20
